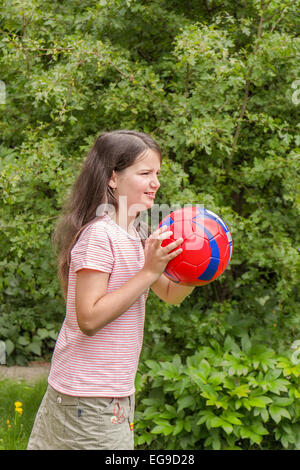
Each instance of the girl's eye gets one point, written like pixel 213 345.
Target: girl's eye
pixel 148 174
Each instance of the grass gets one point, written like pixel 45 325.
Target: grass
pixel 19 402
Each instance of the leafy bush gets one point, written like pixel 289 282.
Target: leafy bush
pixel 224 396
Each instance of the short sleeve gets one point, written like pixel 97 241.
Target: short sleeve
pixel 93 250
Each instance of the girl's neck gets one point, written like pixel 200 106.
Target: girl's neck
pixel 125 223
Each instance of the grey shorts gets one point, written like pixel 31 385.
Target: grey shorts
pixel 83 423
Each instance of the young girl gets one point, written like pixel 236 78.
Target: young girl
pixel 106 268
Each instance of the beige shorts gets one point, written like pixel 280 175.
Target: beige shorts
pixel 83 423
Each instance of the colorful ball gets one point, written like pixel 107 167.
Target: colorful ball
pixel 207 246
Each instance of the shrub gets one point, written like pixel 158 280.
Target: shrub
pixel 221 397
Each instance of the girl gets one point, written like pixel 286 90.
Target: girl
pixel 106 265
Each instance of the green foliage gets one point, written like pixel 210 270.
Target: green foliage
pixel 215 83
pixel 223 396
pixel 24 340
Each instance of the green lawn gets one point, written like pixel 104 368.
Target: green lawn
pixel 16 421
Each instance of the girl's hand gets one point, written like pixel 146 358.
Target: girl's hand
pixel 156 256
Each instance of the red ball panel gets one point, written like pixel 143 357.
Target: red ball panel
pixel 181 228
pixel 187 213
pixel 195 249
pixel 185 271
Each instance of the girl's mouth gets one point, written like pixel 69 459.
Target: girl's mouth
pixel 151 195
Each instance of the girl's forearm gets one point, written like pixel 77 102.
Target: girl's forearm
pixel 113 304
pixel 177 293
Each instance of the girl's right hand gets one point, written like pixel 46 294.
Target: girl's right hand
pixel 156 256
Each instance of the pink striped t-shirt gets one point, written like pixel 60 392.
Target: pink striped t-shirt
pixel 105 364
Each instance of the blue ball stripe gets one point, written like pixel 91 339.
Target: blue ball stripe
pixel 167 222
pixel 210 270
pixel 215 256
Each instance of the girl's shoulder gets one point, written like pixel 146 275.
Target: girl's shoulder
pixel 100 229
pixel 101 222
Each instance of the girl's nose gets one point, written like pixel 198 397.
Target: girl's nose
pixel 155 183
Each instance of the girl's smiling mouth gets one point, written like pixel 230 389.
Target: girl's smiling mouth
pixel 150 195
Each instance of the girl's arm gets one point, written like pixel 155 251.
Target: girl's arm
pixel 177 293
pixel 95 308
pixel 169 291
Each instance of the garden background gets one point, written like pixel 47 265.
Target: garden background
pixel 216 83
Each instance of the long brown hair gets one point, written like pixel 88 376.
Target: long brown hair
pixel 112 151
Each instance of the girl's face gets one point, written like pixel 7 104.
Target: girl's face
pixel 136 181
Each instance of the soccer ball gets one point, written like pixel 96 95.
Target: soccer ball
pixel 207 246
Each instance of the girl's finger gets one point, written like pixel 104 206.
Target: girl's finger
pixel 175 253
pixel 159 231
pixel 164 235
pixel 173 245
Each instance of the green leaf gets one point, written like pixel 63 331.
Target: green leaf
pixel 259 401
pixel 246 343
pixel 42 333
pixel 164 428
pixel 138 381
pixel 178 427
pixel 258 428
pixel 186 401
pixel 204 368
pixel 219 422
pixel 277 413
pixel 232 417
pixel 216 442
pixel 9 345
pixel 283 401
pixel 246 432
pixel 230 345
pixel 153 365
pixel 35 347
pixel 240 391
pixel 23 340
pixel 177 361
pixel 206 416
pixel 150 401
pixel 169 370
pixel 171 410
pixel 263 412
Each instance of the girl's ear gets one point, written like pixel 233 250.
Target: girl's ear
pixel 113 181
